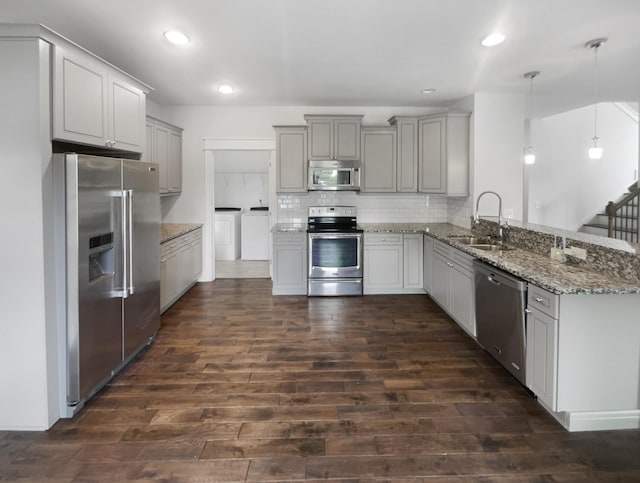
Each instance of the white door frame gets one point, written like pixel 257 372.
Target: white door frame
pixel 210 146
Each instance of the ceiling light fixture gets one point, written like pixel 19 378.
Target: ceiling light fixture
pixel 225 89
pixel 427 91
pixel 595 152
pixel 493 39
pixel 529 153
pixel 176 37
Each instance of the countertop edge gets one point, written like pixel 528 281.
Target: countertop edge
pixel 169 231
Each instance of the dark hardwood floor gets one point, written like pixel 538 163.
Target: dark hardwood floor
pixel 243 386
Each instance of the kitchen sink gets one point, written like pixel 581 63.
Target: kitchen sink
pixel 489 247
pixel 480 243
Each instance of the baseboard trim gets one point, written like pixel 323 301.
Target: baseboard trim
pixel 598 420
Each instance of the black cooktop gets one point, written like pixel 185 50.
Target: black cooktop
pixel 227 209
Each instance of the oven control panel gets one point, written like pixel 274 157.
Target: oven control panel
pixel 339 211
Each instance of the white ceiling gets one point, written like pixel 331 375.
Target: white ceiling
pixel 356 52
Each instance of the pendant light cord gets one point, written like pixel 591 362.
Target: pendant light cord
pixel 595 95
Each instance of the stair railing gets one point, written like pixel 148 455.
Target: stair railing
pixel 624 218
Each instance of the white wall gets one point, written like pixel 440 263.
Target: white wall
pixel 566 188
pixel 241 179
pixel 255 122
pixel 28 395
pixel 498 139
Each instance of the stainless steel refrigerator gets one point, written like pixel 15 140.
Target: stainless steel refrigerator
pixel 108 231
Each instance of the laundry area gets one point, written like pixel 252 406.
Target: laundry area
pixel 242 216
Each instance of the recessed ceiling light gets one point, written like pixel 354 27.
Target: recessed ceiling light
pixel 427 91
pixel 176 37
pixel 493 40
pixel 225 89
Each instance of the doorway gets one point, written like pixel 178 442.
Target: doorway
pixel 240 173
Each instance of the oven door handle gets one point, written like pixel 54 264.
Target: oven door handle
pixel 334 236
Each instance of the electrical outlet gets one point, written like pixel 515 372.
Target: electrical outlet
pixel 507 213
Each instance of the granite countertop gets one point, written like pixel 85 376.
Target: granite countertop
pixel 169 231
pixel 289 228
pixel 543 271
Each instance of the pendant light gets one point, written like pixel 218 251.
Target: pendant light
pixel 595 152
pixel 529 153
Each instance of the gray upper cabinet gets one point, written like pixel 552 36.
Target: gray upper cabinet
pixel 164 146
pixel 443 154
pixel 95 104
pixel 333 137
pixel 291 159
pixel 378 151
pixel 407 153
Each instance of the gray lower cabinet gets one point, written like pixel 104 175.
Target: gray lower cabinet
pixel 378 150
pixel 291 159
pixel 95 104
pixel 427 259
pixel 392 263
pixel 383 263
pixel 452 285
pixel 289 264
pixel 542 346
pixel 443 154
pixel 164 146
pixel 180 266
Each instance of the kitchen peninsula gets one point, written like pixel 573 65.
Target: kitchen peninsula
pixel 582 320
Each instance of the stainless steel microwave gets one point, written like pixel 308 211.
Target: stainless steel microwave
pixel 332 175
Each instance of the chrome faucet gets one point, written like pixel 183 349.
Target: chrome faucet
pixel 501 222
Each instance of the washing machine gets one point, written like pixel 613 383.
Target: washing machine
pixel 227 233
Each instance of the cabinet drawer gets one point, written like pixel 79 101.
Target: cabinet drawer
pixel 382 239
pixel 290 239
pixel 441 249
pixel 169 246
pixel 187 238
pixel 462 259
pixel 543 300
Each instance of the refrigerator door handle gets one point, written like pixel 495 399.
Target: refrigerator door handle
pixel 125 244
pixel 130 287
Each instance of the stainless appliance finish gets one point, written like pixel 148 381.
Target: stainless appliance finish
pixel 335 251
pixel 333 175
pixel 500 316
pixel 111 210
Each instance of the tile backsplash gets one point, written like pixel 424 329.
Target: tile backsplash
pixel 379 208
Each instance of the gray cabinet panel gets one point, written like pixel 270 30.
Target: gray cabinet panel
pixel 291 159
pixel 378 160
pixel 321 139
pixel 347 139
pixel 165 141
pixel 80 99
pixel 443 154
pixel 407 155
pixel 433 169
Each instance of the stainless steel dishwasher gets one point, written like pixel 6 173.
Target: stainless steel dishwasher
pixel 500 316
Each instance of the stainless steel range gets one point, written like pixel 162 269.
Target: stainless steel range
pixel 335 251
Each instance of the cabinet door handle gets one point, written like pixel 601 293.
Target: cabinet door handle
pixel 493 281
pixel 538 299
